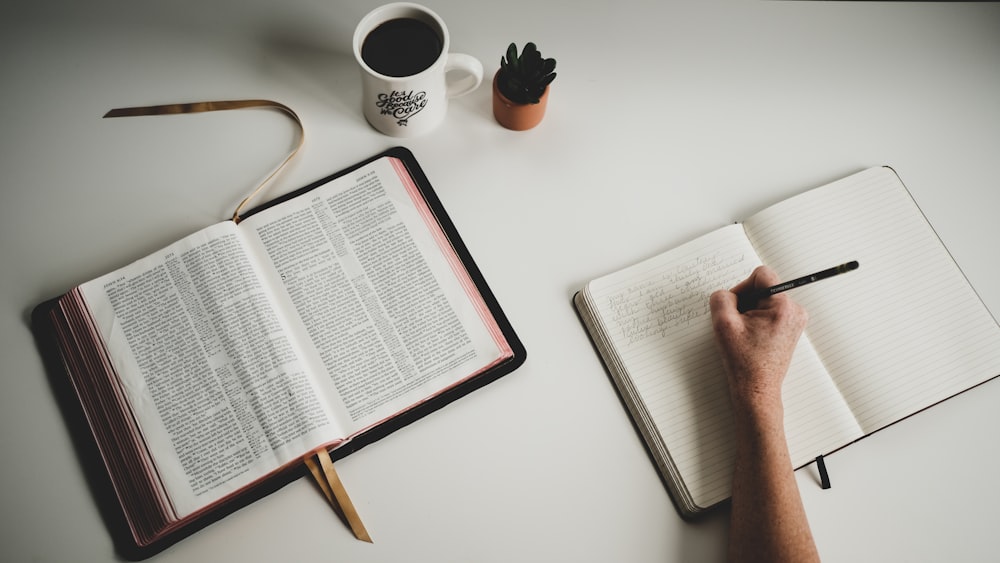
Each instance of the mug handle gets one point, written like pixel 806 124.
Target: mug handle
pixel 468 65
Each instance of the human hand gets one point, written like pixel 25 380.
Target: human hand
pixel 757 345
pixel 768 521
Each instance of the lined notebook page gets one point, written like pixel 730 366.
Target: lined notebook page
pixel 905 330
pixel 656 315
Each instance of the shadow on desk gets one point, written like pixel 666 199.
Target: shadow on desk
pixel 322 70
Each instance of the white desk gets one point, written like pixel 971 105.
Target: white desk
pixel 666 120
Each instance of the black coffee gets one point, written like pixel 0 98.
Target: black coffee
pixel 401 47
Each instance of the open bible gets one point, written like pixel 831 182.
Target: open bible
pixel 903 332
pixel 323 320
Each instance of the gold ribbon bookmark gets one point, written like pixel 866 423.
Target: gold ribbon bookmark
pixel 199 107
pixel 329 482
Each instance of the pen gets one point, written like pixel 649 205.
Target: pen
pixel 748 300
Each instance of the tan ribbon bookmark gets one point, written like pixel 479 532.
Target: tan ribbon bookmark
pixel 199 107
pixel 332 487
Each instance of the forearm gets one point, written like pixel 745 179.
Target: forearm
pixel 768 520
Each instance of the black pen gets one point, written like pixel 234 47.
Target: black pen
pixel 748 300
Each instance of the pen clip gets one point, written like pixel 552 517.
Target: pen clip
pixel 747 300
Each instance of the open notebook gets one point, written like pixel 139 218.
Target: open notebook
pixel 902 333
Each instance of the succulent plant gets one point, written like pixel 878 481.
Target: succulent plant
pixel 523 79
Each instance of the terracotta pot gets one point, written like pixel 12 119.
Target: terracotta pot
pixel 515 116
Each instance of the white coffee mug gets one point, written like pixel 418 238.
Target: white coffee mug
pixel 404 102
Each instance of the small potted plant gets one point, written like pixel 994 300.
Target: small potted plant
pixel 521 87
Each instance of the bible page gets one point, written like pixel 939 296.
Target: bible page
pixel 656 316
pixel 372 284
pixel 218 389
pixel 903 331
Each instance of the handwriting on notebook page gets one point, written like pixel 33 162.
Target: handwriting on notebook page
pixel 672 296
